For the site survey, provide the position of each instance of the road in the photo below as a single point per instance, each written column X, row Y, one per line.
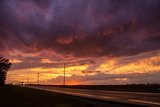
column 138, row 98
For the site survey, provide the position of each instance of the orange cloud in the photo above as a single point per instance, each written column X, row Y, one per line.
column 140, row 64
column 15, row 61
column 46, row 61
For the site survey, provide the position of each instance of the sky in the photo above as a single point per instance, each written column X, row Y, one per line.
column 99, row 41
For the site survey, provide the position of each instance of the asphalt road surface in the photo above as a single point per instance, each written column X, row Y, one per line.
column 136, row 98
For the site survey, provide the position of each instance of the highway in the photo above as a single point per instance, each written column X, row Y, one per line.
column 136, row 98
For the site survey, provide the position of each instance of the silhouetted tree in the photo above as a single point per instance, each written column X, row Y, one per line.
column 4, row 67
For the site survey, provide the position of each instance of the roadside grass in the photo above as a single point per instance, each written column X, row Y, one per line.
column 15, row 96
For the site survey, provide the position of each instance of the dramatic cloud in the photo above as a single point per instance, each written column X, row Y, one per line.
column 80, row 28
column 89, row 36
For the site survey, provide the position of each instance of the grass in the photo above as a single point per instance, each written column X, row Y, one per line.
column 16, row 96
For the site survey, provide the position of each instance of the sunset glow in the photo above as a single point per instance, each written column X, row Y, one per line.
column 98, row 41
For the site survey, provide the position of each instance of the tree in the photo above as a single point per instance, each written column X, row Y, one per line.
column 4, row 67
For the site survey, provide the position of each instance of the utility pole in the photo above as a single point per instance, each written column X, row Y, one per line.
column 38, row 78
column 22, row 81
column 64, row 79
column 28, row 80
column 19, row 81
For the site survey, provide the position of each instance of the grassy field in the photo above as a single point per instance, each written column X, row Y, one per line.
column 153, row 88
column 15, row 96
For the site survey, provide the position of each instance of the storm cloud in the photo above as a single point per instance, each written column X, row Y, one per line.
column 83, row 28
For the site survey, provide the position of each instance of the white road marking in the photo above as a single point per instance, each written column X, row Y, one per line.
column 143, row 101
